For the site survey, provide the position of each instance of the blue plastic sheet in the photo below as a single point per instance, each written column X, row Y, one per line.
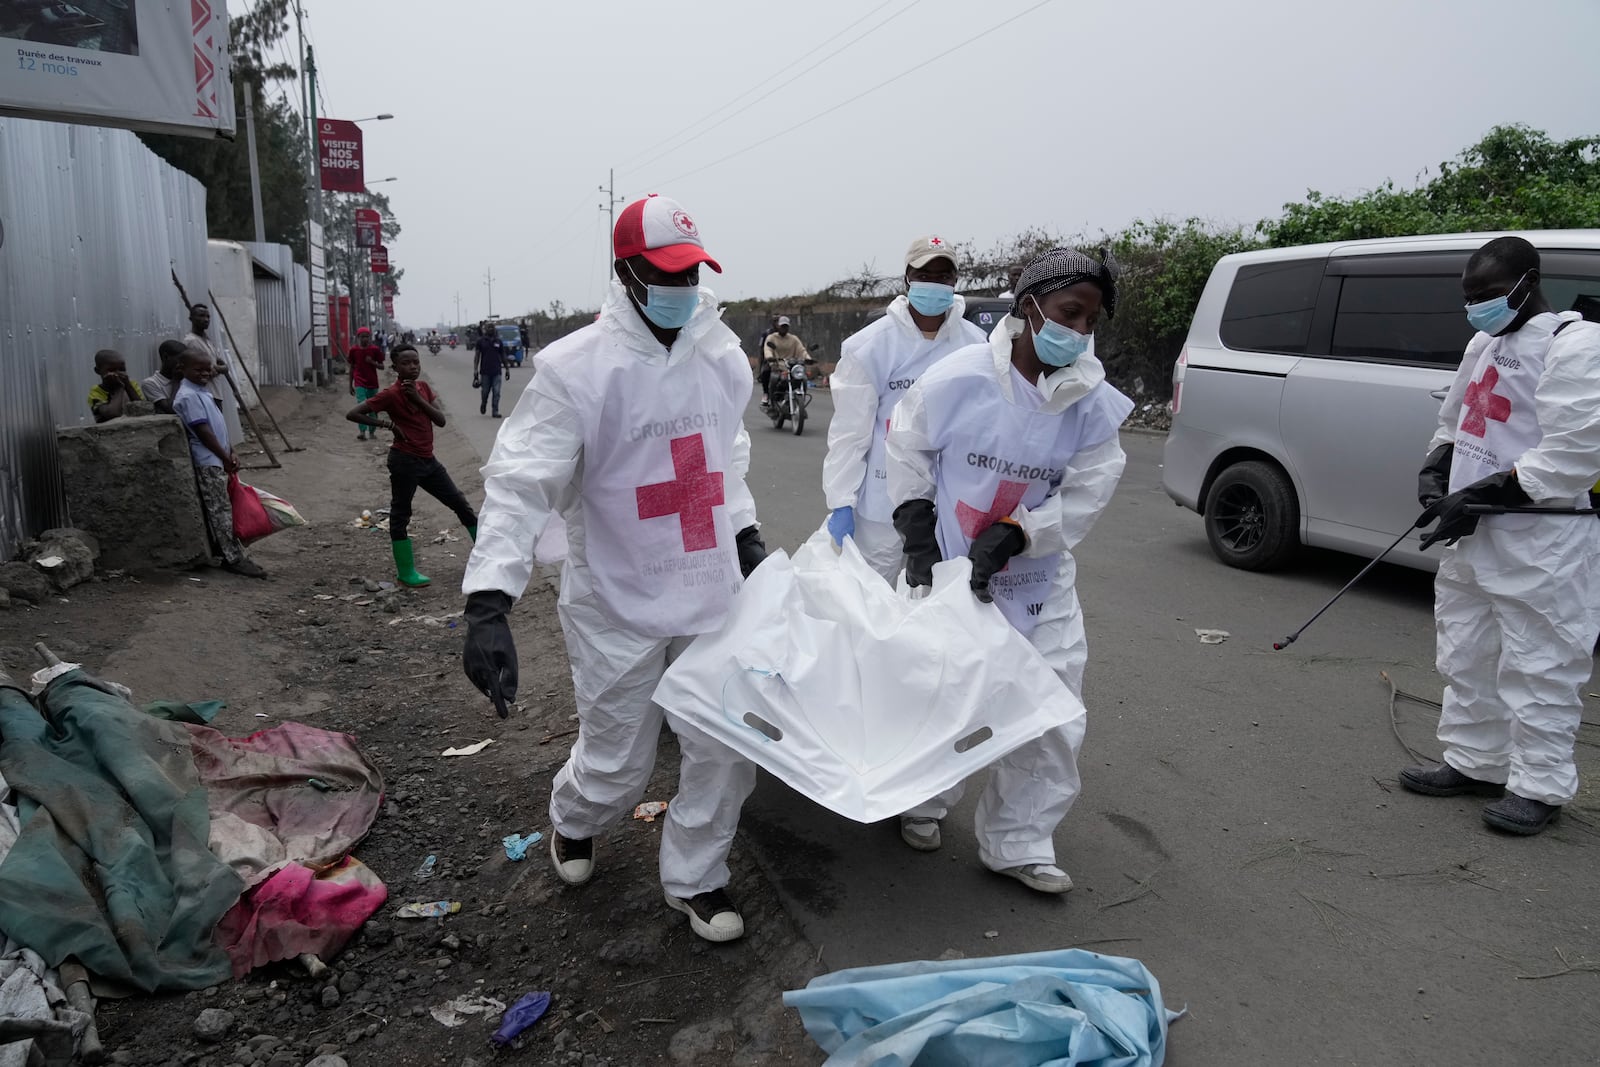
column 1066, row 1008
column 517, row 847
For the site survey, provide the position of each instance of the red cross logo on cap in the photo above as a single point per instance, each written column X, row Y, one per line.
column 691, row 496
column 1482, row 403
column 936, row 241
column 684, row 223
column 1006, row 498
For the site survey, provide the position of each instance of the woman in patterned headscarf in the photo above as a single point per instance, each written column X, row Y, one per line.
column 1006, row 453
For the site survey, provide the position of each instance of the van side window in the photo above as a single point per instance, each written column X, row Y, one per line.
column 1270, row 306
column 1403, row 318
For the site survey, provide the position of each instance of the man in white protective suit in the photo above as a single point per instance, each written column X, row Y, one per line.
column 877, row 364
column 1006, row 452
column 1517, row 597
column 632, row 432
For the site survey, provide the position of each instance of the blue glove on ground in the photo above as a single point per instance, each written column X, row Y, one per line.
column 842, row 524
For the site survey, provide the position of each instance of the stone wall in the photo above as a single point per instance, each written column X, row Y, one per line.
column 130, row 483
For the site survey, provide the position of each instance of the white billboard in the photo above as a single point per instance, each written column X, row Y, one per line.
column 157, row 65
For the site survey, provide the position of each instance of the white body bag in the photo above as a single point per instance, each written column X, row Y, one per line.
column 861, row 697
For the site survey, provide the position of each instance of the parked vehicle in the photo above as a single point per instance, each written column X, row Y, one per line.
column 511, row 338
column 985, row 312
column 1310, row 385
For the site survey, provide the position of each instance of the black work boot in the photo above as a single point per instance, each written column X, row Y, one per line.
column 1519, row 815
column 1445, row 781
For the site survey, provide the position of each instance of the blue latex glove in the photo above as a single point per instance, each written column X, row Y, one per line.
column 842, row 524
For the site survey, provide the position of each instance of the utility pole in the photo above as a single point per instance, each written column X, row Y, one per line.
column 488, row 279
column 458, row 307
column 612, row 200
column 255, row 166
column 305, row 108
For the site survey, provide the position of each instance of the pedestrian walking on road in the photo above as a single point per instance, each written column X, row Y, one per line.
column 489, row 355
column 632, row 431
column 1516, row 596
column 214, row 458
column 366, row 359
column 1006, row 452
column 413, row 410
column 877, row 365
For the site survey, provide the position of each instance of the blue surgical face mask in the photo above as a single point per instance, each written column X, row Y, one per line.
column 931, row 298
column 1492, row 316
column 668, row 306
column 1057, row 345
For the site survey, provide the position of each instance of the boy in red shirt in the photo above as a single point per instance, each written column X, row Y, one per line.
column 413, row 412
column 365, row 359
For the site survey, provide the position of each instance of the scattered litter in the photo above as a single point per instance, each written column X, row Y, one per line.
column 990, row 935
column 1212, row 637
column 368, row 522
column 444, row 536
column 462, row 1009
column 473, row 750
column 323, row 596
column 262, row 715
column 523, row 1014
column 49, row 562
column 517, row 847
column 429, row 620
column 425, row 869
column 649, row 810
column 319, row 785
column 431, row 909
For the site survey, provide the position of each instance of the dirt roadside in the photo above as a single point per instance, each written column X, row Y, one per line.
column 323, row 644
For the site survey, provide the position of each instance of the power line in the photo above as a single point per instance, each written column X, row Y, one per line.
column 792, row 78
column 922, row 64
column 734, row 100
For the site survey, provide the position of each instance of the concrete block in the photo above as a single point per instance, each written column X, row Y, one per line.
column 130, row 484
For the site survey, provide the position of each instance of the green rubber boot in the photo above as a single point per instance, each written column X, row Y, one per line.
column 472, row 532
column 405, row 566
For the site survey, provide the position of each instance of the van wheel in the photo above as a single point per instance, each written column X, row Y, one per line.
column 1252, row 517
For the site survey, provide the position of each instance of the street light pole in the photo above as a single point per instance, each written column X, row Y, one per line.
column 488, row 279
column 255, row 166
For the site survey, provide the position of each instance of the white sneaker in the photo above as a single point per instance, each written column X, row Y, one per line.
column 711, row 915
column 1040, row 876
column 574, row 860
column 920, row 833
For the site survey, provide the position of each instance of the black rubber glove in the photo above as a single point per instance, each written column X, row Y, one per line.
column 490, row 656
column 990, row 552
column 1451, row 511
column 1433, row 481
column 752, row 550
column 917, row 524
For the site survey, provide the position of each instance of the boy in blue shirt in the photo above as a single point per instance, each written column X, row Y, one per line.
column 213, row 457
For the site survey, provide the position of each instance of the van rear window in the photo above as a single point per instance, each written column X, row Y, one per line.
column 1411, row 318
column 1270, row 307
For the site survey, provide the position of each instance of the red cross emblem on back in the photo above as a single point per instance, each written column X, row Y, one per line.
column 1482, row 403
column 1006, row 498
column 691, row 495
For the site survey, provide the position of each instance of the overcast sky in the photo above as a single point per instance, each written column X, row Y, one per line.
column 1077, row 116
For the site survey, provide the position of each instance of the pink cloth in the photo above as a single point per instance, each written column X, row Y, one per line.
column 290, row 839
column 299, row 910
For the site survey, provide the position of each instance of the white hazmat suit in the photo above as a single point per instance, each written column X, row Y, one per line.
column 877, row 364
column 974, row 436
column 642, row 451
column 1516, row 602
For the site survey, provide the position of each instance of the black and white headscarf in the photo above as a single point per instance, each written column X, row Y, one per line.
column 1061, row 267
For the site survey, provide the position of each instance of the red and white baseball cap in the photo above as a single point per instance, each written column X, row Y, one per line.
column 663, row 233
column 925, row 250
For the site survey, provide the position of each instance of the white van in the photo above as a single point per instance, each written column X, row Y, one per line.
column 1310, row 384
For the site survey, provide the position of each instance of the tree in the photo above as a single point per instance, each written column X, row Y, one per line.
column 348, row 263
column 1515, row 178
column 223, row 166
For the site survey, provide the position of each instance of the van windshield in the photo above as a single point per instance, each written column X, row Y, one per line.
column 508, row 333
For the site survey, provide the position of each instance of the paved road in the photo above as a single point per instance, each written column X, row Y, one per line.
column 450, row 373
column 1239, row 831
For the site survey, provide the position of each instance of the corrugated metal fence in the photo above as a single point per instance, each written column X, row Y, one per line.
column 283, row 315
column 92, row 224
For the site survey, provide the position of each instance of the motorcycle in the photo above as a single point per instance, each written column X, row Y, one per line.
column 788, row 396
column 433, row 347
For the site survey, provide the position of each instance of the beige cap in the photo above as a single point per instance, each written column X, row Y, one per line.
column 925, row 250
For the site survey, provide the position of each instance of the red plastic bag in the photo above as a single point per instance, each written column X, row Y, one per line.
column 250, row 519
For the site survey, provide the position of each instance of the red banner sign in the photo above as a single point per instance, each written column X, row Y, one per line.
column 388, row 306
column 369, row 228
column 339, row 150
column 380, row 260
